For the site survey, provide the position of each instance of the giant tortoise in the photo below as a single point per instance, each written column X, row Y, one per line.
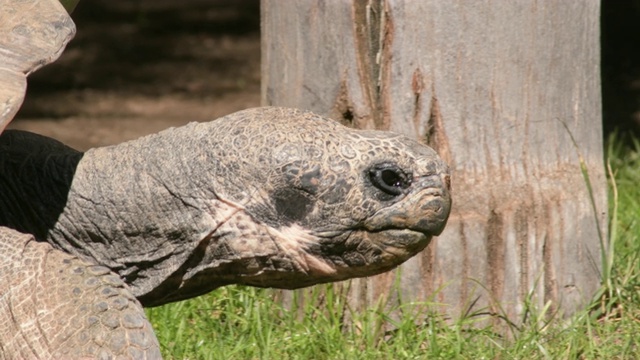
column 267, row 197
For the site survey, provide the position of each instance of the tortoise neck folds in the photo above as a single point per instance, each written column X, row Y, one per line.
column 140, row 208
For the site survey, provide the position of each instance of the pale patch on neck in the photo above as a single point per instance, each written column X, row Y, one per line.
column 294, row 240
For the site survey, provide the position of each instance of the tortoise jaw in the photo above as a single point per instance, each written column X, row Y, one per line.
column 400, row 243
column 371, row 253
column 425, row 211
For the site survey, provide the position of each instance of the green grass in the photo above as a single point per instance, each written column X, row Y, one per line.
column 248, row 323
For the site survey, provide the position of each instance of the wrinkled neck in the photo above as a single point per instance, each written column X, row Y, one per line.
column 131, row 208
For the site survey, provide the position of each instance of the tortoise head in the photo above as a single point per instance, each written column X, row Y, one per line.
column 334, row 202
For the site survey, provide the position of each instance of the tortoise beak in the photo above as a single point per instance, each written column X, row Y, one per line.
column 428, row 206
column 433, row 206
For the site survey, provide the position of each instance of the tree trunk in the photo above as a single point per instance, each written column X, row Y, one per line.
column 507, row 92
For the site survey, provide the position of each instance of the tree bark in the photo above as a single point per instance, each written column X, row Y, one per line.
column 508, row 93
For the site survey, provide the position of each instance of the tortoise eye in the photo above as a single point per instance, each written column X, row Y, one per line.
column 389, row 178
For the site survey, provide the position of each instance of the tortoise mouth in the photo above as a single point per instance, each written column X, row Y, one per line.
column 370, row 253
column 425, row 211
column 402, row 243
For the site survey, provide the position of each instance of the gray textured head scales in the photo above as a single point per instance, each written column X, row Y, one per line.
column 337, row 202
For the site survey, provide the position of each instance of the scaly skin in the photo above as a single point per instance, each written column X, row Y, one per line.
column 56, row 306
column 268, row 197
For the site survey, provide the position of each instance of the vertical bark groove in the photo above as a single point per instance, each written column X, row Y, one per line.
column 417, row 85
column 522, row 236
column 343, row 110
column 435, row 133
column 373, row 34
column 550, row 284
column 495, row 254
column 366, row 30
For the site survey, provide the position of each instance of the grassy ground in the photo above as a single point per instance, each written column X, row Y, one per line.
column 246, row 323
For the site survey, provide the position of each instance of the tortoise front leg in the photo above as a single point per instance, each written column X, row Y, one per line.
column 54, row 305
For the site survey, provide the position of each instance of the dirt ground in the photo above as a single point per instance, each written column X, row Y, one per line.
column 139, row 67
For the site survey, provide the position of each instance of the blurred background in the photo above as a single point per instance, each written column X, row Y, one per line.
column 137, row 67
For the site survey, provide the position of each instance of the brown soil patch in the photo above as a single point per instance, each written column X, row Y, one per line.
column 138, row 67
